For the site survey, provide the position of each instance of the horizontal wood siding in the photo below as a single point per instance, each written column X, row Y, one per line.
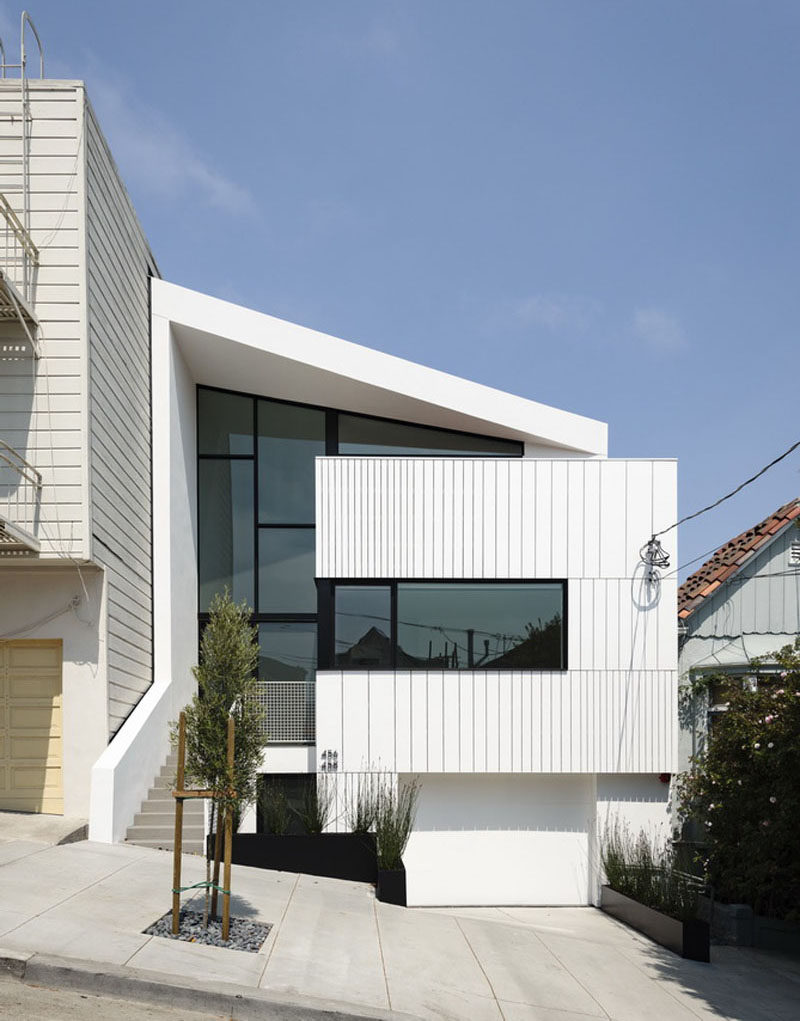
column 42, row 402
column 118, row 263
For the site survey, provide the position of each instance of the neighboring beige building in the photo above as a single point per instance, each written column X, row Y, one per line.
column 75, row 465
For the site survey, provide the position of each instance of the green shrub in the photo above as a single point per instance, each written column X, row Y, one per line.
column 362, row 810
column 744, row 791
column 275, row 810
column 394, row 820
column 646, row 871
column 316, row 807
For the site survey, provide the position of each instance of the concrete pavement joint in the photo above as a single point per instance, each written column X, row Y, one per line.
column 574, row 977
column 278, row 930
column 380, row 951
column 77, row 893
column 480, row 965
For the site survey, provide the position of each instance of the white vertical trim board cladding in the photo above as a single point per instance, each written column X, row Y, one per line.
column 612, row 711
column 489, row 518
column 578, row 721
column 118, row 264
column 42, row 402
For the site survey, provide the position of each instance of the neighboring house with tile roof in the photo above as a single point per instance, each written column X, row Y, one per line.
column 742, row 604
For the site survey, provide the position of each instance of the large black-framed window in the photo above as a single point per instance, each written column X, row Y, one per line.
column 256, row 524
column 256, row 489
column 424, row 624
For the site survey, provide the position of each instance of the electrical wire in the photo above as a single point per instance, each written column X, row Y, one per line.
column 733, row 492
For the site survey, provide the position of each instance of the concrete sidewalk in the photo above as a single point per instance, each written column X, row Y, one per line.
column 334, row 947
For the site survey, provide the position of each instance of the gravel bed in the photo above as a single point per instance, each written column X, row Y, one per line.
column 244, row 935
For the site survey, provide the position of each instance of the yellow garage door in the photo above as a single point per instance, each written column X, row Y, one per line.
column 30, row 727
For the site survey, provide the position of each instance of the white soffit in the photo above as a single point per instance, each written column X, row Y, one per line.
column 235, row 348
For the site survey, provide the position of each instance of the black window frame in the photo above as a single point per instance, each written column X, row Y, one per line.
column 331, row 450
column 326, row 620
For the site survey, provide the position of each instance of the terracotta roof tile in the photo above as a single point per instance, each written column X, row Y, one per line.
column 730, row 557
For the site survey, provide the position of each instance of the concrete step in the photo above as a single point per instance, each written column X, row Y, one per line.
column 166, row 820
column 156, row 832
column 166, row 806
column 154, row 823
column 159, row 794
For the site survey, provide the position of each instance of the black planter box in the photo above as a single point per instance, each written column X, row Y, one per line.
column 391, row 888
column 690, row 939
column 334, row 855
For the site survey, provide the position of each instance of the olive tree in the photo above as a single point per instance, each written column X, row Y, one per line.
column 226, row 681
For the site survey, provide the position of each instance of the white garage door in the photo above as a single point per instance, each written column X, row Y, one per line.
column 500, row 840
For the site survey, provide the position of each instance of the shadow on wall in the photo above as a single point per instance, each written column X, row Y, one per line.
column 18, row 497
column 504, row 802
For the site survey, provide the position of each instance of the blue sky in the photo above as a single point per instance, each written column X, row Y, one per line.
column 591, row 203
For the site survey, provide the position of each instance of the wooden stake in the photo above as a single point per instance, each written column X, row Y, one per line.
column 178, row 845
column 217, row 858
column 226, row 897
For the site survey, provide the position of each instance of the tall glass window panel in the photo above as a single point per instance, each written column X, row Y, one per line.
column 289, row 438
column 224, row 423
column 499, row 626
column 225, row 537
column 287, row 651
column 363, row 627
column 286, row 567
column 368, row 436
column 287, row 665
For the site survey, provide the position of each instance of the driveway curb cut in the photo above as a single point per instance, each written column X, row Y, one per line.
column 235, row 1001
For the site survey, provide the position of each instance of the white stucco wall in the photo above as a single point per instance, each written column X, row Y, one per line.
column 505, row 839
column 124, row 772
column 28, row 595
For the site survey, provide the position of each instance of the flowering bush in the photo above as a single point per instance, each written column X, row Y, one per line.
column 744, row 791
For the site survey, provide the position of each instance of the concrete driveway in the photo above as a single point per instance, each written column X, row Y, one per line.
column 333, row 942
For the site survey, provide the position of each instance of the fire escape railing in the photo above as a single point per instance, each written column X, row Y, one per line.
column 20, row 495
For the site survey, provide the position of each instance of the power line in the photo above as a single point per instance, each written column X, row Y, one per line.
column 733, row 492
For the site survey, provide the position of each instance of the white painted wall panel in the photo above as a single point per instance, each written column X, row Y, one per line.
column 489, row 518
column 573, row 722
column 500, row 839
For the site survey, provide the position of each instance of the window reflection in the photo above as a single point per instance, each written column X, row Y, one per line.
column 480, row 627
column 362, row 435
column 224, row 423
column 363, row 629
column 289, row 438
column 286, row 568
column 288, row 651
column 225, row 530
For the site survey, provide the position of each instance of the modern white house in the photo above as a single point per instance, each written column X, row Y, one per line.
column 446, row 579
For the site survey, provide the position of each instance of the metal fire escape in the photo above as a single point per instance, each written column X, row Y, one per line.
column 20, row 482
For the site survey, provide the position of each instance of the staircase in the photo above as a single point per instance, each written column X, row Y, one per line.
column 154, row 824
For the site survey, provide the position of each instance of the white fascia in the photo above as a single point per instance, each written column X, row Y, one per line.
column 235, row 348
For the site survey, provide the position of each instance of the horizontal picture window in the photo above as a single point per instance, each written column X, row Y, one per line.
column 514, row 625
